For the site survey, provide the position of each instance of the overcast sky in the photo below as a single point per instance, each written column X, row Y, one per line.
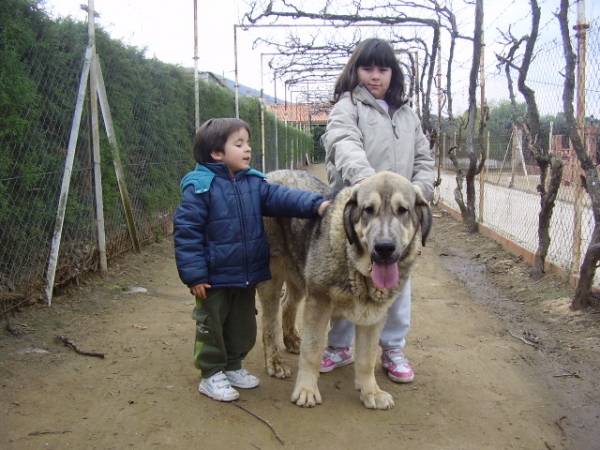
column 166, row 30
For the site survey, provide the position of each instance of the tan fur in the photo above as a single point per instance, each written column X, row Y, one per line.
column 329, row 262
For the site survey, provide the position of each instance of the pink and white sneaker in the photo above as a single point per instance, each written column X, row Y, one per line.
column 397, row 366
column 334, row 358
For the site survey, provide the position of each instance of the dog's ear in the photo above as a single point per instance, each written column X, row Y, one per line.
column 351, row 216
column 423, row 211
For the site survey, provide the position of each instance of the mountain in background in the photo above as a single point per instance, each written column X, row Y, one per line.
column 244, row 91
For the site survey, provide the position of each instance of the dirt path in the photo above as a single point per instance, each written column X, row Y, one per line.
column 477, row 385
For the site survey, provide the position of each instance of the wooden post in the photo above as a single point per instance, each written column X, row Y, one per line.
column 581, row 28
column 66, row 181
column 236, row 82
column 110, row 132
column 196, row 81
column 482, row 179
column 262, row 116
column 513, row 164
column 482, row 118
column 96, row 145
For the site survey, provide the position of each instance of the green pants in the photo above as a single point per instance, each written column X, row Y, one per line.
column 225, row 329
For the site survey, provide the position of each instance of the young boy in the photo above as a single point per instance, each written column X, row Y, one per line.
column 222, row 252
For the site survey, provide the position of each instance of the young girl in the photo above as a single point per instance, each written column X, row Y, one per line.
column 371, row 129
column 222, row 252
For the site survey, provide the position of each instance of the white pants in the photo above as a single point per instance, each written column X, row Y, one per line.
column 394, row 331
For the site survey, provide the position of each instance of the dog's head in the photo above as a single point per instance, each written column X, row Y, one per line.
column 382, row 218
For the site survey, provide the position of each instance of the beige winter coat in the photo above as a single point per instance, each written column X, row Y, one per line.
column 362, row 139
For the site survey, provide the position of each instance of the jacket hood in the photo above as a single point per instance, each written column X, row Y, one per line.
column 362, row 94
column 203, row 175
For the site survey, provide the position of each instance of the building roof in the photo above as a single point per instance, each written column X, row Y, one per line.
column 313, row 114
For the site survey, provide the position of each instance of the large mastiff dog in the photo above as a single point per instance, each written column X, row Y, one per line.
column 351, row 263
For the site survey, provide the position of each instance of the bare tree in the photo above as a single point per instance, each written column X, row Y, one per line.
column 475, row 150
column 447, row 20
column 390, row 15
column 590, row 180
column 548, row 162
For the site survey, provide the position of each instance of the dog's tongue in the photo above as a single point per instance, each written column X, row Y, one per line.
column 385, row 276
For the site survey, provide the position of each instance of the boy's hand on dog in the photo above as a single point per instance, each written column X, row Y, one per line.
column 322, row 207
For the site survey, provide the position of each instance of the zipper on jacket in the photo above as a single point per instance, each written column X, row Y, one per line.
column 374, row 104
column 243, row 222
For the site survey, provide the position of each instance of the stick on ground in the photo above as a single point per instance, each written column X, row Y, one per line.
column 71, row 344
column 261, row 419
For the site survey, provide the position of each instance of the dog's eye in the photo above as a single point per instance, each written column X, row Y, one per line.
column 402, row 210
column 369, row 210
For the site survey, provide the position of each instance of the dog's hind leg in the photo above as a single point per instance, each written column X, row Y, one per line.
column 269, row 294
column 290, row 304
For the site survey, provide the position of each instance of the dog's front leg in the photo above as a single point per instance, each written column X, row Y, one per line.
column 316, row 318
column 367, row 337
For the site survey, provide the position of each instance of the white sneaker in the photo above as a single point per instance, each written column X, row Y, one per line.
column 242, row 379
column 218, row 388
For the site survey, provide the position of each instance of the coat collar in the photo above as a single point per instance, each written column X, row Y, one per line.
column 204, row 174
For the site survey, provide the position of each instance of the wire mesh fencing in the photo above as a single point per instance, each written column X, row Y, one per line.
column 508, row 199
column 152, row 108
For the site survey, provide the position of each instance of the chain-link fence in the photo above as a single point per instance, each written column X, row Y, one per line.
column 152, row 106
column 508, row 201
column 153, row 112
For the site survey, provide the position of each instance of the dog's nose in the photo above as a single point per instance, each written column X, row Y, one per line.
column 385, row 249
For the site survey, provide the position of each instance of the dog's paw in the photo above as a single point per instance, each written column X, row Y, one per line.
column 292, row 342
column 377, row 400
column 307, row 398
column 277, row 368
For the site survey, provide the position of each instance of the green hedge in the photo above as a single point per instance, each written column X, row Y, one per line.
column 152, row 106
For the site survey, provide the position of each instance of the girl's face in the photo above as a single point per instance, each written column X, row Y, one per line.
column 237, row 152
column 377, row 79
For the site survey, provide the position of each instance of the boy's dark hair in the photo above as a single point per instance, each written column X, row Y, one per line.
column 372, row 51
column 212, row 136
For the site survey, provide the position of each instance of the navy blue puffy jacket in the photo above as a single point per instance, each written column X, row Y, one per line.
column 219, row 233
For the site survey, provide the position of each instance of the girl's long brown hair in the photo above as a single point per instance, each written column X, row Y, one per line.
column 372, row 52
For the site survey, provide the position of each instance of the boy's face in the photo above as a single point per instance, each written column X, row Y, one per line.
column 237, row 151
column 376, row 79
